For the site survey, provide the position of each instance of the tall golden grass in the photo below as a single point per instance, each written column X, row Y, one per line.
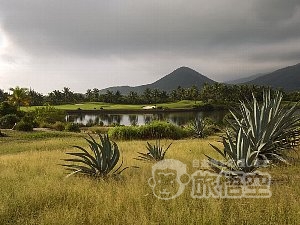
column 34, row 189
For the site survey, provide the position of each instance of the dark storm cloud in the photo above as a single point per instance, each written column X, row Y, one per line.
column 125, row 40
column 121, row 27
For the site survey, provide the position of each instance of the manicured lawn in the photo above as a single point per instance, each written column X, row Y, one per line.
column 35, row 190
column 184, row 104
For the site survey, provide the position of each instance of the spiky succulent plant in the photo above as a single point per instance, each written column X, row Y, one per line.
column 198, row 126
column 260, row 133
column 237, row 154
column 155, row 152
column 270, row 128
column 100, row 162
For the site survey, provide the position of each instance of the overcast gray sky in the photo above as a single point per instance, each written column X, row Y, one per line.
column 84, row 44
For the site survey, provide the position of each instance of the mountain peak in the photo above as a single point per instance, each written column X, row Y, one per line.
column 184, row 69
column 183, row 76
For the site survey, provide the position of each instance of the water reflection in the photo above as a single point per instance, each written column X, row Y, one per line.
column 133, row 119
column 179, row 118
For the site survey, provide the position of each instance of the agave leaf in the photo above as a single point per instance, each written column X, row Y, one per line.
column 218, row 150
column 88, row 158
column 217, row 162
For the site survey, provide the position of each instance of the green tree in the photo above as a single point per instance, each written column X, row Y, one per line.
column 19, row 96
column 147, row 95
column 35, row 97
column 3, row 95
column 133, row 97
column 194, row 93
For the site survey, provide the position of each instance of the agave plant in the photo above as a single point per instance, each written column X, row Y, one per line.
column 100, row 162
column 269, row 128
column 198, row 126
column 238, row 155
column 155, row 152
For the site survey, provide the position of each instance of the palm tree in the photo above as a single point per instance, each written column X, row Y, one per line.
column 133, row 97
column 19, row 96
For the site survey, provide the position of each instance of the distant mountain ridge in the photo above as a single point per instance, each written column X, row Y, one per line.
column 287, row 78
column 184, row 77
column 244, row 79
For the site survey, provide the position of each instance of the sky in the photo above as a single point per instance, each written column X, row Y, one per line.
column 82, row 44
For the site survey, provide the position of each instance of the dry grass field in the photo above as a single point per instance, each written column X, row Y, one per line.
column 34, row 188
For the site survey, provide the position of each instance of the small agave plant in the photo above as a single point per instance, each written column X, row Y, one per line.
column 198, row 126
column 100, row 162
column 155, row 152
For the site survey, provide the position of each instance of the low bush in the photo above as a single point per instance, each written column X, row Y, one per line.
column 204, row 107
column 49, row 114
column 98, row 130
column 59, row 126
column 27, row 123
column 29, row 118
column 45, row 125
column 8, row 121
column 211, row 129
column 154, row 130
column 6, row 108
column 24, row 126
column 72, row 127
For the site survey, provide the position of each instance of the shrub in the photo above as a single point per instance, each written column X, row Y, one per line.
column 97, row 129
column 101, row 163
column 45, row 125
column 211, row 129
column 157, row 129
column 27, row 123
column 49, row 114
column 153, row 130
column 24, row 126
column 59, row 126
column 204, row 107
column 30, row 119
column 124, row 132
column 8, row 121
column 6, row 108
column 72, row 127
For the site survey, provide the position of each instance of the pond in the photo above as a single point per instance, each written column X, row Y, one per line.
column 178, row 118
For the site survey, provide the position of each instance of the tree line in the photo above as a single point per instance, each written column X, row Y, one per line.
column 210, row 93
